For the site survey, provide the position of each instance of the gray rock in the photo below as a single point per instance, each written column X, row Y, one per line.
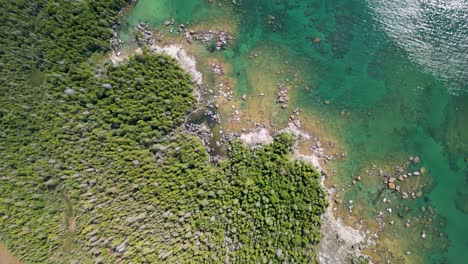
column 132, row 219
column 165, row 255
column 93, row 239
column 52, row 183
column 113, row 190
column 92, row 233
column 69, row 91
column 121, row 248
column 107, row 86
column 279, row 252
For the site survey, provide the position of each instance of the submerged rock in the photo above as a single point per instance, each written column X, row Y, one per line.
column 422, row 170
column 404, row 195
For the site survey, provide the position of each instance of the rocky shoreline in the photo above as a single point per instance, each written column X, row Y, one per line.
column 397, row 184
column 337, row 236
column 340, row 243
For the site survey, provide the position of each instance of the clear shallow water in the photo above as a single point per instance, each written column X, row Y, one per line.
column 394, row 66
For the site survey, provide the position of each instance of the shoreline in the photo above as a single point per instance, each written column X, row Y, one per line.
column 337, row 236
column 340, row 242
column 395, row 211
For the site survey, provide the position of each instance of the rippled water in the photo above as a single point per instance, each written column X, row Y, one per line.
column 433, row 32
column 397, row 68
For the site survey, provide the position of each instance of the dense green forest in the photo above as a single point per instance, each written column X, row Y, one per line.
column 96, row 167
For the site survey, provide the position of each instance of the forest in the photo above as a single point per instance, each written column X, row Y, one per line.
column 96, row 166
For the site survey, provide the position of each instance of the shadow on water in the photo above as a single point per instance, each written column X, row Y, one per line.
column 201, row 118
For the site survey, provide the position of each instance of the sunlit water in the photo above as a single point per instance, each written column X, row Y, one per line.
column 433, row 32
column 397, row 68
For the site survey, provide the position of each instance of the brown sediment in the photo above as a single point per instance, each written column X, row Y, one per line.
column 386, row 237
column 398, row 233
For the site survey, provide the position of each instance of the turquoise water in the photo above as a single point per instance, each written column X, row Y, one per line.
column 398, row 68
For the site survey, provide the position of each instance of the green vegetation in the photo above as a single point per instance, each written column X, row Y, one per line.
column 271, row 205
column 96, row 168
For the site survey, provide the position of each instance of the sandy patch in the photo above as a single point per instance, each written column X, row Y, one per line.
column 259, row 137
column 6, row 257
column 187, row 62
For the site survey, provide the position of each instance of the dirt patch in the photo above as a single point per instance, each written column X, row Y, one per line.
column 6, row 257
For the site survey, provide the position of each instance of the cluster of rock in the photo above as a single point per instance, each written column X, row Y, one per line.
column 234, row 2
column 143, row 34
column 320, row 153
column 393, row 181
column 217, row 69
column 211, row 113
column 115, row 42
column 170, row 22
column 228, row 94
column 206, row 136
column 221, row 37
column 270, row 19
column 282, row 96
column 201, row 131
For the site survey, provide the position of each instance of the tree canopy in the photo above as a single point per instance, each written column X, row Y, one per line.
column 97, row 168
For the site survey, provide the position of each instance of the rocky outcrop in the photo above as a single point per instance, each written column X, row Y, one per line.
column 282, row 96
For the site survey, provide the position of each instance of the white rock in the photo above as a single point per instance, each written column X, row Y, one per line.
column 69, row 91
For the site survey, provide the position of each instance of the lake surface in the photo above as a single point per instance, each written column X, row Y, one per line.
column 395, row 76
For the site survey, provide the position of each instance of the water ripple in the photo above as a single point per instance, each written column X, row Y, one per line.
column 434, row 33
